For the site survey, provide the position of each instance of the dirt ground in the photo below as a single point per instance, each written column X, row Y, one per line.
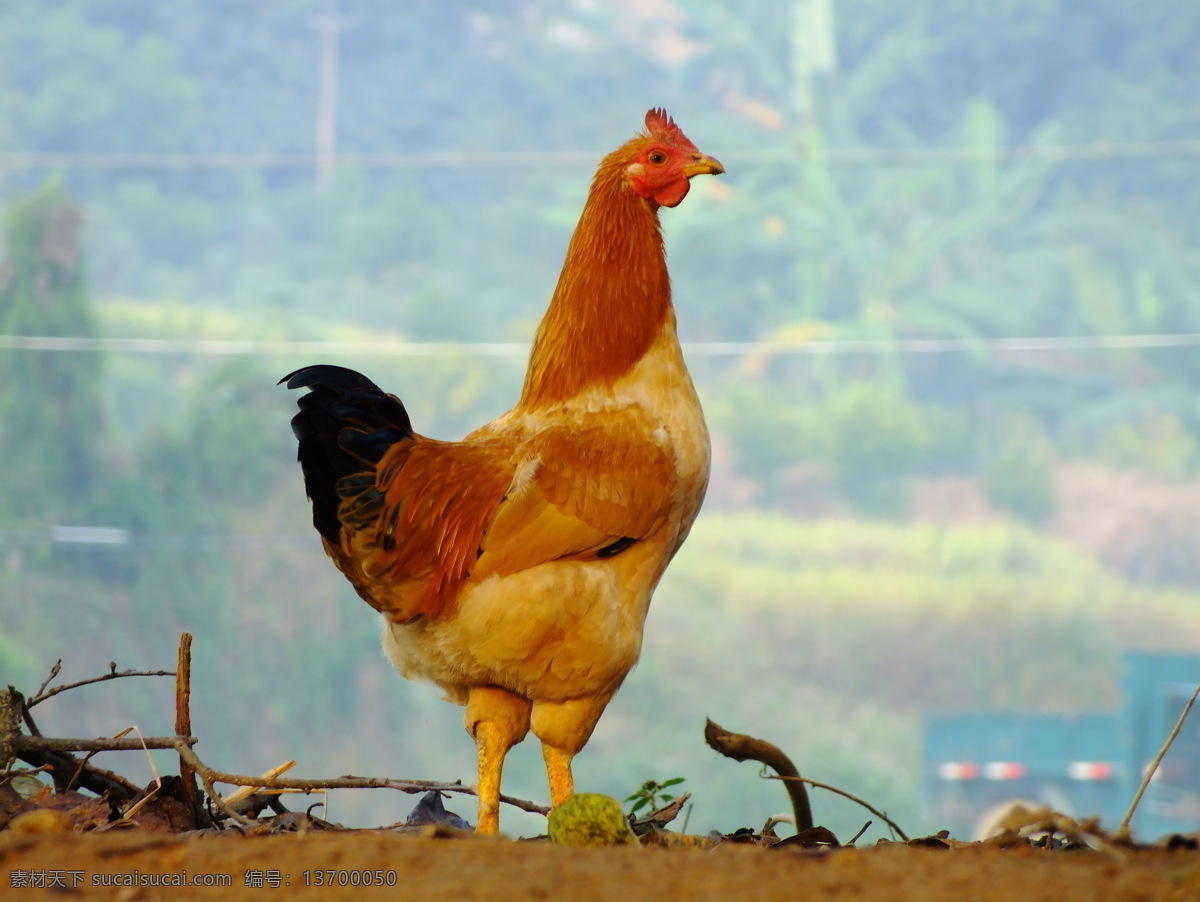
column 86, row 866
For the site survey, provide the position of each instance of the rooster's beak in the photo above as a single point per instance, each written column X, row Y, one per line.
column 702, row 164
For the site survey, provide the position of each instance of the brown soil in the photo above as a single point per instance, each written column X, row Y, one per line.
column 473, row 868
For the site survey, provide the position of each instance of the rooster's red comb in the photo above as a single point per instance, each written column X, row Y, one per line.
column 663, row 127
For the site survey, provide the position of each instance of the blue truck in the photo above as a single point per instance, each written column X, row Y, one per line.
column 1082, row 764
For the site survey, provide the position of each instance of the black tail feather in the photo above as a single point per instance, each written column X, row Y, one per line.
column 345, row 425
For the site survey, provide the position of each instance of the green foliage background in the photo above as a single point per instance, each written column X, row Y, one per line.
column 896, row 172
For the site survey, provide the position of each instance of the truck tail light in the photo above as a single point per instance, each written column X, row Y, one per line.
column 1003, row 770
column 958, row 770
column 1090, row 770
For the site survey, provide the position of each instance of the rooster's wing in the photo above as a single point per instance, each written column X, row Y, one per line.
column 502, row 501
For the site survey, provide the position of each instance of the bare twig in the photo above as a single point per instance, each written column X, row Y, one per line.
column 113, row 674
column 158, row 781
column 133, row 809
column 183, row 725
column 26, row 716
column 861, row 830
column 246, row 791
column 12, row 708
column 209, row 776
column 741, row 747
column 186, row 754
column 84, row 762
column 875, row 811
column 45, row 744
column 50, row 679
column 9, row 772
column 54, row 754
column 65, row 769
column 1123, row 830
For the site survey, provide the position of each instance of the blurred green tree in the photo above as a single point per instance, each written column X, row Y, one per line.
column 1016, row 456
column 51, row 421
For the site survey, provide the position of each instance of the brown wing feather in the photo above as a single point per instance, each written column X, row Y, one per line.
column 611, row 478
column 581, row 487
column 454, row 512
column 437, row 500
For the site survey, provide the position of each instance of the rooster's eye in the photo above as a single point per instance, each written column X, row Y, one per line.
column 657, row 157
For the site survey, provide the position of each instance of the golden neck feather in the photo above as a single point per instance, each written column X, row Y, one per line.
column 612, row 299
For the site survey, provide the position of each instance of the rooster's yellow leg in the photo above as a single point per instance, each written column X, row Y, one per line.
column 498, row 720
column 558, row 770
column 493, row 745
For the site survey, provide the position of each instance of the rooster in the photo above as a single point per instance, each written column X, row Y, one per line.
column 514, row 568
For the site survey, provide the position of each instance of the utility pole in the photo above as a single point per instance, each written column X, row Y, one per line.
column 814, row 53
column 328, row 25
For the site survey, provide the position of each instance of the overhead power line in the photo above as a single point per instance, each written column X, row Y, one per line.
column 234, row 347
column 118, row 539
column 1052, row 343
column 1097, row 151
column 188, row 162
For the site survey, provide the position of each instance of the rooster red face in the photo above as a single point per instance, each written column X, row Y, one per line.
column 664, row 160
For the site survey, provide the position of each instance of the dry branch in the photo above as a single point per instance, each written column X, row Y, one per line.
column 741, row 747
column 183, row 725
column 35, row 744
column 12, row 710
column 210, row 776
column 246, row 791
column 54, row 754
column 54, row 671
column 853, row 798
column 1123, row 830
column 112, row 674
